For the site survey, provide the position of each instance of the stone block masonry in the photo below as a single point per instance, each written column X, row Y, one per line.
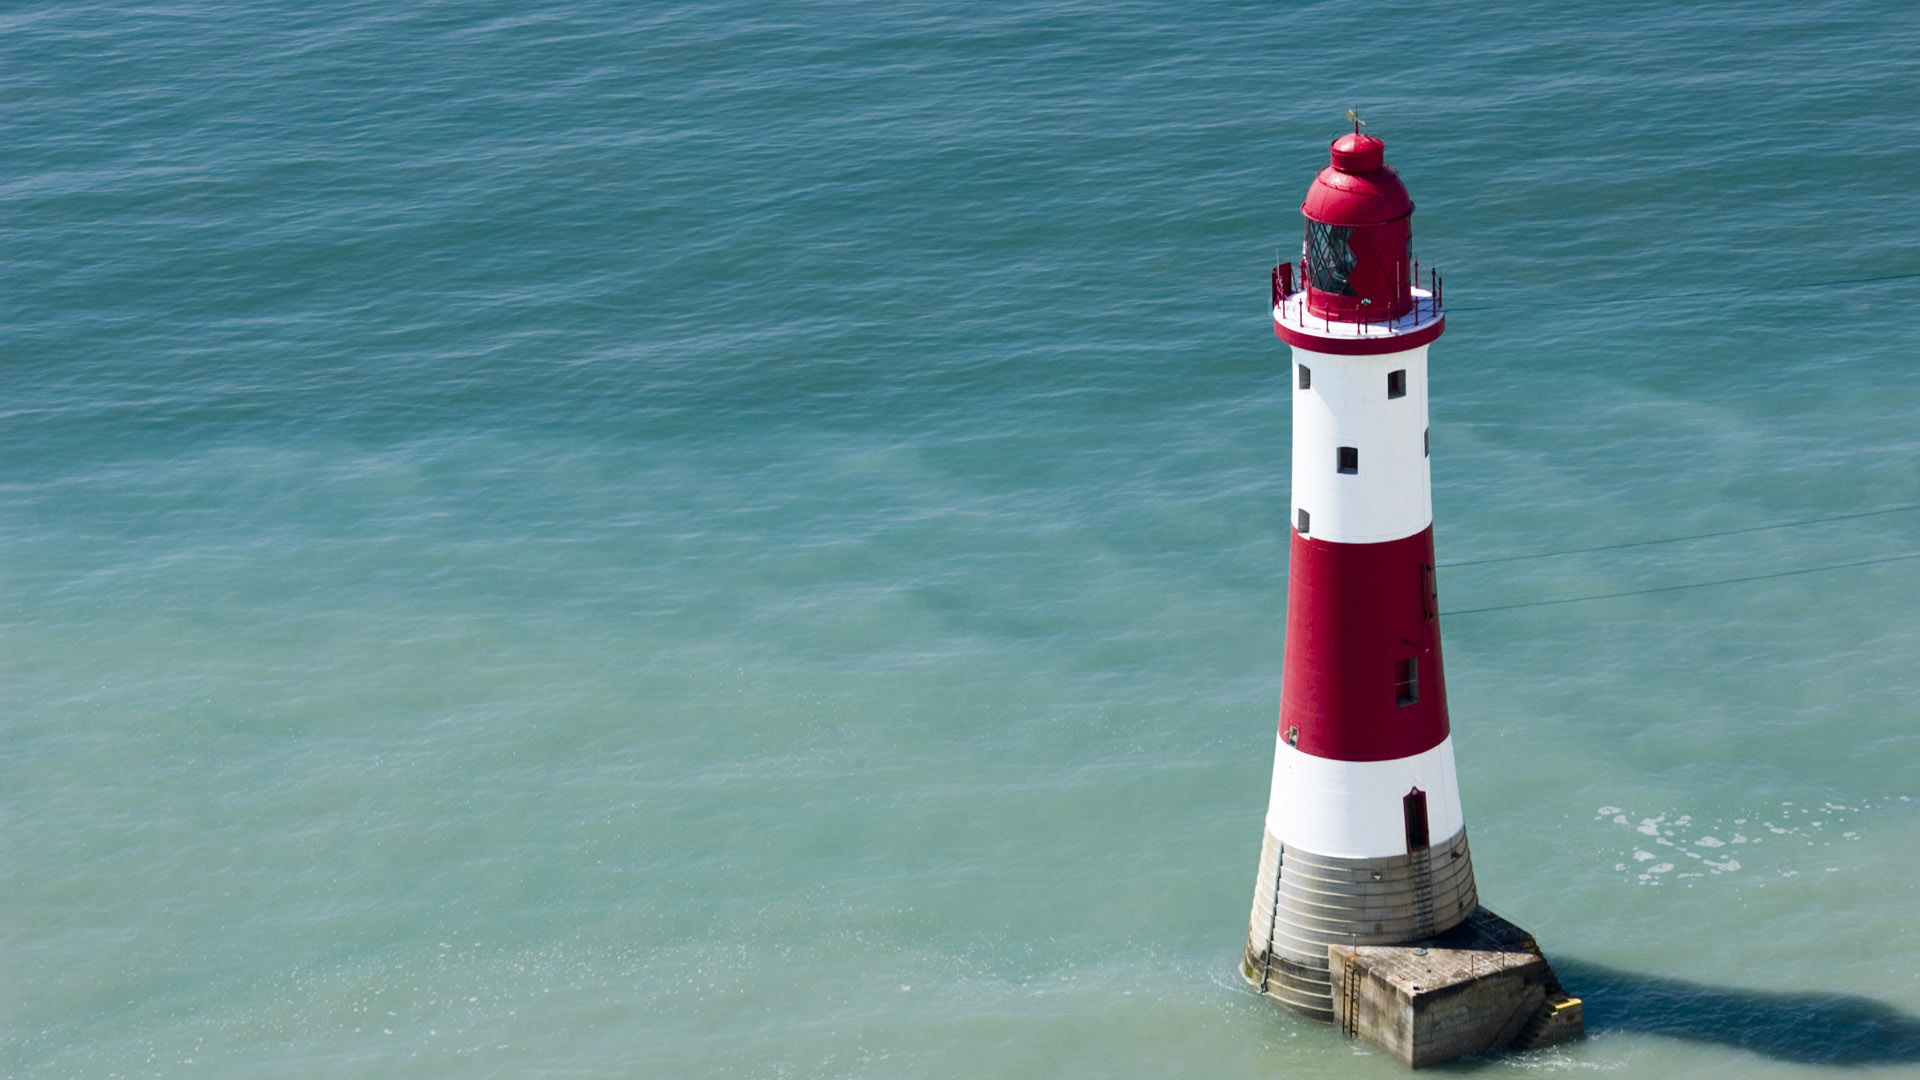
column 1305, row 902
column 1481, row 985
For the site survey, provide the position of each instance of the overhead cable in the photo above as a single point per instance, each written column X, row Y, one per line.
column 1691, row 585
column 1678, row 539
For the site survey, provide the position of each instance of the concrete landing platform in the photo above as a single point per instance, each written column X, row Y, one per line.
column 1480, row 985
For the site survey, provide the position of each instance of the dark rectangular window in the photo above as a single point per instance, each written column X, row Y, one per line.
column 1406, row 681
column 1426, row 438
column 1413, row 807
column 1306, row 377
column 1301, row 524
column 1349, row 459
column 1396, row 384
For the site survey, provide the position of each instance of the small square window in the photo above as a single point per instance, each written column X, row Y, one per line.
column 1300, row 522
column 1306, row 377
column 1349, row 459
column 1397, row 383
column 1406, row 681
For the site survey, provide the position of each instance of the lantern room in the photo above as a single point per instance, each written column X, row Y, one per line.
column 1357, row 263
column 1358, row 288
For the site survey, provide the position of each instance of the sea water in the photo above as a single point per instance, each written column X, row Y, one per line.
column 743, row 539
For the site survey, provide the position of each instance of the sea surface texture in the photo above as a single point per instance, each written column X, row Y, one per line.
column 736, row 539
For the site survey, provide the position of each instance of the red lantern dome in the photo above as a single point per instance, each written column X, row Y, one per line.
column 1359, row 188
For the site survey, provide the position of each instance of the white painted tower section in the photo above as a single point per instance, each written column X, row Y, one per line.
column 1368, row 822
column 1391, row 496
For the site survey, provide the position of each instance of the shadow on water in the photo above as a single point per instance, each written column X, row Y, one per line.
column 1814, row 1029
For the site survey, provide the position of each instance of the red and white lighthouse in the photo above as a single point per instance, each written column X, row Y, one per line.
column 1365, row 841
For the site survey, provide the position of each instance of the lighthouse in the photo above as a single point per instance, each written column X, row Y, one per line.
column 1365, row 840
column 1365, row 846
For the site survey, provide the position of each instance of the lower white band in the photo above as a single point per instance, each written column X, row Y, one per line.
column 1353, row 809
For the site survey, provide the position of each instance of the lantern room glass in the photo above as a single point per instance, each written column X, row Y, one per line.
column 1330, row 257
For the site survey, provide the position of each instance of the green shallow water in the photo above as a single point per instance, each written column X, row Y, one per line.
column 743, row 540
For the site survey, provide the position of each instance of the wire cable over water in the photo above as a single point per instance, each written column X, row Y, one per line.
column 1678, row 539
column 1599, row 301
column 1690, row 585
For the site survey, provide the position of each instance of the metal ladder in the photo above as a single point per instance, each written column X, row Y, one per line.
column 1273, row 919
column 1350, row 987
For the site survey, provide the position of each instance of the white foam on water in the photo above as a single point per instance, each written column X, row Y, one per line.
column 1660, row 827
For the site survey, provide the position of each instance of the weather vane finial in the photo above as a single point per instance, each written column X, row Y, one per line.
column 1354, row 119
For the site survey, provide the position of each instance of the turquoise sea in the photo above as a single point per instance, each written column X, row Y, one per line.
column 749, row 540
